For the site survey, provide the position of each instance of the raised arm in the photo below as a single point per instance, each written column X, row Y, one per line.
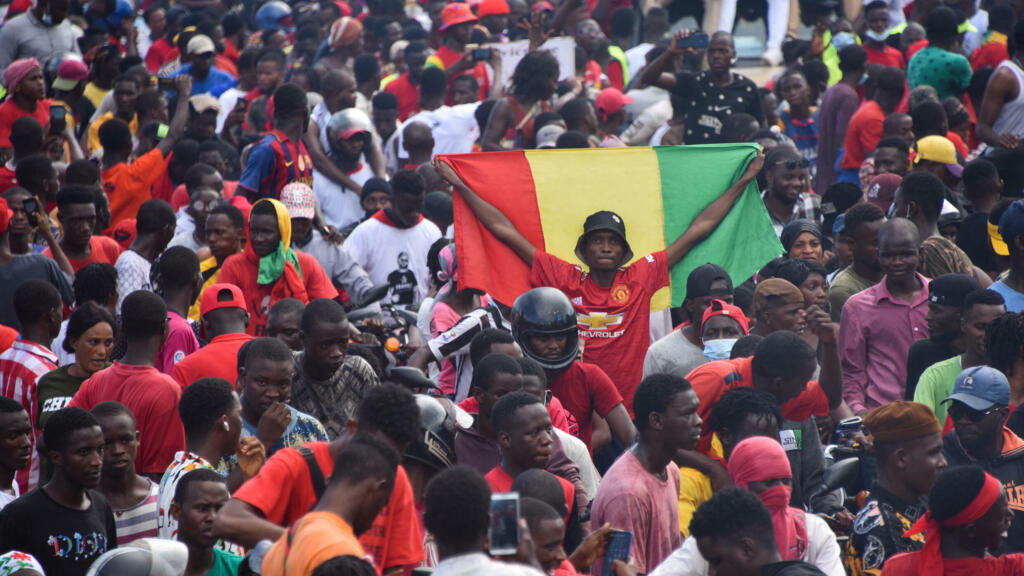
column 712, row 215
column 492, row 218
column 183, row 85
column 654, row 73
column 831, row 376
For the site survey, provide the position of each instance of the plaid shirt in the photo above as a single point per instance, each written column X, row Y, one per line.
column 806, row 206
column 334, row 401
column 21, row 366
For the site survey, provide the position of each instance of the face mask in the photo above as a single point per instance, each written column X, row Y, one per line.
column 719, row 349
column 777, row 497
column 863, row 80
column 877, row 36
column 47, row 20
column 843, row 39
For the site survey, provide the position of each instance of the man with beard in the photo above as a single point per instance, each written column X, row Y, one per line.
column 348, row 134
column 787, row 197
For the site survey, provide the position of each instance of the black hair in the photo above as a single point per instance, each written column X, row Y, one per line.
column 286, row 306
column 731, row 514
column 926, row 190
column 941, row 26
column 34, row 299
column 143, row 315
column 745, row 346
column 438, row 204
column 1004, row 341
column 480, row 345
column 815, row 72
column 82, row 171
column 782, row 354
column 408, row 182
column 533, row 368
column 392, row 410
column 483, row 114
column 232, row 212
column 414, row 48
column 859, row 214
column 891, row 79
column 365, row 457
column 74, row 194
column 474, row 85
column 312, row 77
column 273, row 55
column 779, row 155
column 115, row 135
column 321, row 310
column 621, row 21
column 153, row 216
column 433, row 258
column 654, row 394
column 194, row 176
column 385, row 101
column 490, row 366
column 737, row 128
column 979, row 174
column 368, row 354
column 175, row 268
column 270, row 349
column 929, row 118
column 32, row 171
column 572, row 139
column 192, row 476
column 347, row 565
column 795, row 270
column 983, row 297
column 574, row 112
column 433, row 82
column 10, row 406
column 26, row 136
column 893, row 142
column 63, row 423
column 505, row 408
column 542, row 119
column 365, row 67
column 147, row 102
column 110, row 409
column 732, row 409
column 126, row 77
column 535, row 511
column 542, row 485
column 289, row 99
column 202, row 403
column 85, row 316
column 852, row 57
column 186, row 153
column 954, row 490
column 457, row 507
column 95, row 282
column 531, row 79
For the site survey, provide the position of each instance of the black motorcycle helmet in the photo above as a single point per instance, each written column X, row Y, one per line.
column 436, row 446
column 542, row 312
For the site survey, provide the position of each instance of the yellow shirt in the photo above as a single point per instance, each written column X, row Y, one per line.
column 205, row 267
column 694, row 489
column 95, row 94
column 318, row 537
column 93, row 143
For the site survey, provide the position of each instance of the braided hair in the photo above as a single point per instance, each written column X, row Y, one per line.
column 1004, row 341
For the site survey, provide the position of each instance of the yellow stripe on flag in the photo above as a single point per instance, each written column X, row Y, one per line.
column 626, row 181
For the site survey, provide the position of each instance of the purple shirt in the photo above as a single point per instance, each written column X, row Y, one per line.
column 837, row 107
column 631, row 498
column 181, row 341
column 875, row 334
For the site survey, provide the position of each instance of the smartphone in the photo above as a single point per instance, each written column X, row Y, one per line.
column 242, row 103
column 481, row 54
column 165, row 84
column 697, row 41
column 58, row 119
column 504, row 534
column 620, row 544
column 32, row 211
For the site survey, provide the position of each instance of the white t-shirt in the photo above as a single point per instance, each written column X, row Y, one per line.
column 340, row 205
column 227, row 99
column 455, row 129
column 397, row 256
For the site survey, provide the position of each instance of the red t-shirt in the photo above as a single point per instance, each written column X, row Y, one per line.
column 104, row 250
column 7, row 179
column 7, row 337
column 283, row 493
column 584, row 389
column 915, row 47
column 614, row 321
column 128, row 185
column 559, row 416
column 153, row 399
column 862, row 135
column 1005, row 565
column 500, row 481
column 9, row 112
column 710, row 381
column 445, row 57
column 889, row 57
column 218, row 359
column 160, row 53
column 408, row 95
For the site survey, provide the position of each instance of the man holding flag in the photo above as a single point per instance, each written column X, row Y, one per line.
column 612, row 300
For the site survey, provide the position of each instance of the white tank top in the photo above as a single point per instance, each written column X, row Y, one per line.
column 1011, row 116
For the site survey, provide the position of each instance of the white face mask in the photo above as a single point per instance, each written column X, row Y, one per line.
column 877, row 36
column 843, row 39
column 719, row 349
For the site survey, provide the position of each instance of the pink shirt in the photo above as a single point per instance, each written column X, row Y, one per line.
column 443, row 317
column 181, row 341
column 631, row 498
column 875, row 334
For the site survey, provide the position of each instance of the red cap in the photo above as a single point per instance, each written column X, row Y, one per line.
column 720, row 308
column 611, row 100
column 543, row 6
column 219, row 296
column 456, row 13
column 17, row 7
column 490, row 7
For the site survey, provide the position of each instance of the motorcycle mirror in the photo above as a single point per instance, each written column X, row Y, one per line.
column 375, row 294
column 841, row 473
column 412, row 378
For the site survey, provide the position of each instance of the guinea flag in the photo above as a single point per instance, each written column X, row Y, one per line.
column 658, row 191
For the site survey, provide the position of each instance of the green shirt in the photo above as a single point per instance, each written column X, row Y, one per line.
column 947, row 72
column 224, row 563
column 935, row 384
column 846, row 284
column 55, row 390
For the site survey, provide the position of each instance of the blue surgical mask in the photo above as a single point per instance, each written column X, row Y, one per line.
column 843, row 39
column 46, row 19
column 877, row 36
column 719, row 349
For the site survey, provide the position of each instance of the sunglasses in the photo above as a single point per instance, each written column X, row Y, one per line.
column 960, row 410
column 792, row 164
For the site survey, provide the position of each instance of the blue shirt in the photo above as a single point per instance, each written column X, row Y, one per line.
column 302, row 429
column 216, row 82
column 1014, row 299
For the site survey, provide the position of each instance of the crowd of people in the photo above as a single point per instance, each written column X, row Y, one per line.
column 234, row 339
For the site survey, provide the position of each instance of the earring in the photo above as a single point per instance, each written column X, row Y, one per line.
column 227, row 427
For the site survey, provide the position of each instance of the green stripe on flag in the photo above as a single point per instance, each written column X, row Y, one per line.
column 691, row 178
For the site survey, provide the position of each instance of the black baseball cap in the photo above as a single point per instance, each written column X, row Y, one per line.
column 951, row 289
column 698, row 283
column 604, row 220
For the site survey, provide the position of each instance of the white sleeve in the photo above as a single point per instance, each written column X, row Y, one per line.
column 684, row 561
column 822, row 548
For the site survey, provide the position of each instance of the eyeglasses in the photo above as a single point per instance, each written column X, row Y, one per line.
column 960, row 410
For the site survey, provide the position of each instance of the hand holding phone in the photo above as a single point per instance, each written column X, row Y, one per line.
column 504, row 533
column 481, row 54
column 31, row 211
column 58, row 119
column 620, row 544
column 697, row 41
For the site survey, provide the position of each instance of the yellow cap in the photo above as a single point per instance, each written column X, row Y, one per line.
column 998, row 244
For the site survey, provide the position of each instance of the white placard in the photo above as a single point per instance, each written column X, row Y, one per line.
column 563, row 48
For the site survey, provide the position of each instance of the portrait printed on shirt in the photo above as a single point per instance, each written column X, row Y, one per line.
column 403, row 282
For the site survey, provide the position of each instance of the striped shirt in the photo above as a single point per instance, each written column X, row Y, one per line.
column 184, row 462
column 139, row 521
column 21, row 366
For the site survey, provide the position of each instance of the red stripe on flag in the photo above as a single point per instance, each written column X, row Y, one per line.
column 505, row 180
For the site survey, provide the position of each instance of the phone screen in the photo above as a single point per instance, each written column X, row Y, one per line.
column 504, row 523
column 620, row 545
column 31, row 210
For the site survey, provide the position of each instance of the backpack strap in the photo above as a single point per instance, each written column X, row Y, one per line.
column 316, row 475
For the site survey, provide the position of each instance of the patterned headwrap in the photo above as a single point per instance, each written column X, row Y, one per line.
column 449, row 272
column 15, row 561
column 16, row 72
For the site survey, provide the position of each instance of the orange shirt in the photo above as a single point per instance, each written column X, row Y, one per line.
column 104, row 250
column 128, row 185
column 315, row 538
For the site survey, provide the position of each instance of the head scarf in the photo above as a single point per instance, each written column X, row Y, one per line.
column 448, row 273
column 344, row 32
column 794, row 229
column 280, row 267
column 761, row 458
column 15, row 561
column 16, row 72
column 931, row 554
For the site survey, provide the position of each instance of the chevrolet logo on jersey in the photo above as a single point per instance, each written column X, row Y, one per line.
column 599, row 320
